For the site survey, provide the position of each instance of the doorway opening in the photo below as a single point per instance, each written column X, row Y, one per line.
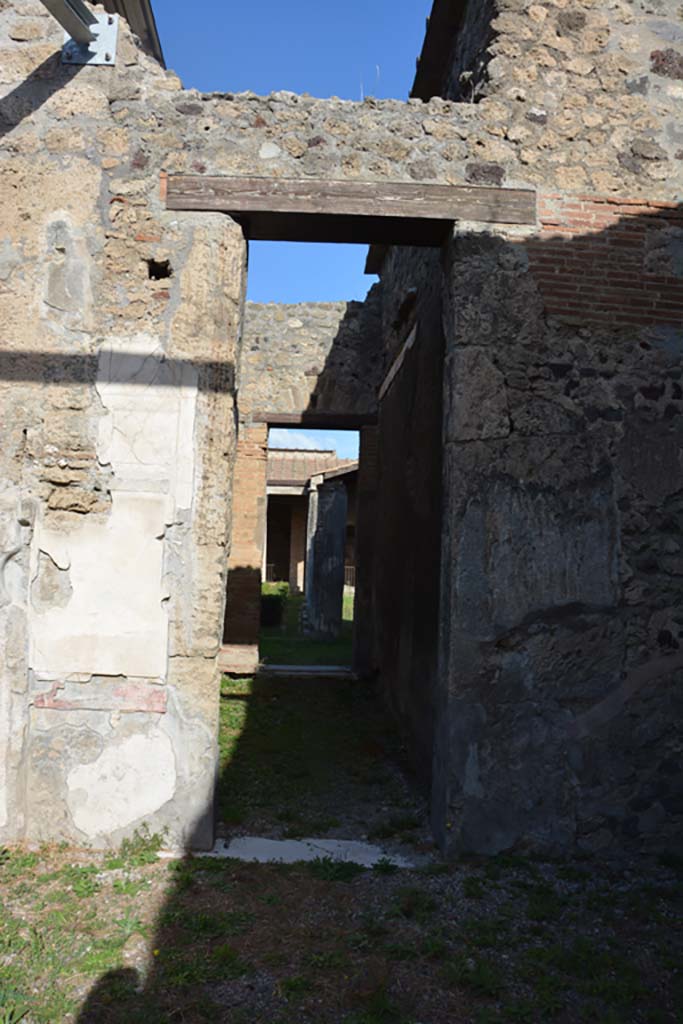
column 309, row 561
column 359, row 600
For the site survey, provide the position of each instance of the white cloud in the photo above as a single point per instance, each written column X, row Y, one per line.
column 280, row 437
column 344, row 442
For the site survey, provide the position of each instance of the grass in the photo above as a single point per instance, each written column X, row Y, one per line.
column 125, row 938
column 319, row 952
column 286, row 645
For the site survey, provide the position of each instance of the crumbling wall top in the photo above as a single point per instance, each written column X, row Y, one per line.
column 576, row 98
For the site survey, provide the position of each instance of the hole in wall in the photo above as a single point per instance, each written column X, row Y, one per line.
column 157, row 270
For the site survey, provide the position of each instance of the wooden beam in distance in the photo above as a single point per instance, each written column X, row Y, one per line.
column 313, row 419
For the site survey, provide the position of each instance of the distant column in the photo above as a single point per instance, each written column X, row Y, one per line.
column 366, row 513
column 297, row 549
column 325, row 543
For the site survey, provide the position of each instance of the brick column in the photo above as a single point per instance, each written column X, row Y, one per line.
column 243, row 605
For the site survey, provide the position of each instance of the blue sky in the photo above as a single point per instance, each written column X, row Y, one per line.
column 350, row 49
column 346, row 49
column 344, row 442
column 325, row 49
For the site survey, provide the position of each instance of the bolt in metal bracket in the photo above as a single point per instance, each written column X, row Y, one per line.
column 90, row 38
column 102, row 48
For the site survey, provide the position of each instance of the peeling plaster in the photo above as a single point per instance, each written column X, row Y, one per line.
column 68, row 294
column 51, row 587
column 118, row 788
column 114, row 623
column 147, row 432
column 5, row 558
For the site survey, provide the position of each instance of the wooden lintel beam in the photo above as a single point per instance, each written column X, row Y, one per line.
column 313, row 419
column 398, row 213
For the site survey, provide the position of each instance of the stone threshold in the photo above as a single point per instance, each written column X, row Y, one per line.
column 293, row 851
column 311, row 671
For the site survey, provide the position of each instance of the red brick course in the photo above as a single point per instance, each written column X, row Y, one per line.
column 590, row 260
column 243, row 606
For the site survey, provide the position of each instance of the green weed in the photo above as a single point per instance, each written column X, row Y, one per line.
column 12, row 1006
column 227, row 963
column 397, row 824
column 296, row 987
column 544, row 904
column 522, row 1011
column 400, row 950
column 434, row 947
column 384, row 867
column 326, row 961
column 129, row 886
column 81, row 880
column 142, row 848
column 329, row 870
column 14, row 863
column 434, row 870
column 102, row 955
column 673, row 860
column 572, row 873
column 129, row 924
column 12, row 1014
column 183, row 874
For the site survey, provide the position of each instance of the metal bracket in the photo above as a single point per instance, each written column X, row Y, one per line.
column 89, row 38
column 101, row 49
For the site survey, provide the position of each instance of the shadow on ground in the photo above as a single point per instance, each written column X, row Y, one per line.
column 244, row 942
column 513, row 938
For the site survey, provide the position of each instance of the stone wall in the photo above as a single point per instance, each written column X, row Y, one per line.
column 556, row 693
column 561, row 669
column 317, row 357
column 573, row 95
column 114, row 566
column 576, row 98
column 466, row 72
column 118, row 344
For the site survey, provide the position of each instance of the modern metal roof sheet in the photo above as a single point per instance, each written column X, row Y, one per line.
column 140, row 17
